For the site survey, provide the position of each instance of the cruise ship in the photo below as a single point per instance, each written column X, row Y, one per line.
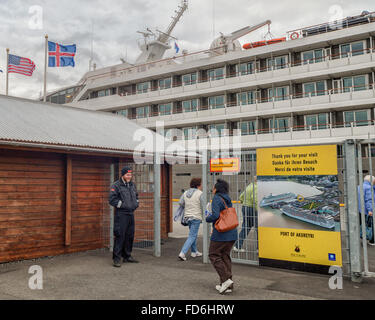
column 320, row 219
column 272, row 200
column 314, row 85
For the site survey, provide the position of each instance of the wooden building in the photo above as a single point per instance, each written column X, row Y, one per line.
column 56, row 166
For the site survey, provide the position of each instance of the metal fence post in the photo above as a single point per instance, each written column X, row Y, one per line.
column 157, row 219
column 112, row 211
column 206, row 230
column 352, row 211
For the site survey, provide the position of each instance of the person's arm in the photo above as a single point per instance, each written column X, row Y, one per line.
column 242, row 196
column 114, row 197
column 368, row 201
column 216, row 208
column 181, row 202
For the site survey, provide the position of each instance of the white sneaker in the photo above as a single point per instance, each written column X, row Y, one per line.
column 370, row 244
column 196, row 254
column 182, row 256
column 235, row 249
column 225, row 285
column 218, row 287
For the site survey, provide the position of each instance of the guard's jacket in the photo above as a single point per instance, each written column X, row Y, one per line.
column 124, row 196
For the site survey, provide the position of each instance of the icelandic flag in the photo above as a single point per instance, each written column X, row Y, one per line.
column 176, row 47
column 61, row 56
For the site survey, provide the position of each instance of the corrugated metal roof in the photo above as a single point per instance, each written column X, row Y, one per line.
column 36, row 122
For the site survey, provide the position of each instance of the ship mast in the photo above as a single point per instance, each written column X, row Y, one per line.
column 155, row 49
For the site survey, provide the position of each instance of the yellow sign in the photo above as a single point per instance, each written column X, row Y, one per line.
column 225, row 165
column 305, row 246
column 294, row 161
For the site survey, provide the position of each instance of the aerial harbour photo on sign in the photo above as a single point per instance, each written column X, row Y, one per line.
column 312, row 202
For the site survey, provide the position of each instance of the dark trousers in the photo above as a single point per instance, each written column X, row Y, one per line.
column 219, row 255
column 123, row 230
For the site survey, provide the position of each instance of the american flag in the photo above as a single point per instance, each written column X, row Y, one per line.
column 20, row 65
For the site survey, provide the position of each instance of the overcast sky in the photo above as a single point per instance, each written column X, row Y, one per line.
column 24, row 23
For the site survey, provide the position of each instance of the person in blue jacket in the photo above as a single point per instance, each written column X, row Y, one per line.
column 368, row 187
column 221, row 242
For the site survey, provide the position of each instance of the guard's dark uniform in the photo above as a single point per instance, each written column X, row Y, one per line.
column 124, row 197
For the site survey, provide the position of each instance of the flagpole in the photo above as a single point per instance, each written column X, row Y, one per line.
column 45, row 69
column 7, row 78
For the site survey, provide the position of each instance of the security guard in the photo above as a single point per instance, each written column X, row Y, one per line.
column 124, row 197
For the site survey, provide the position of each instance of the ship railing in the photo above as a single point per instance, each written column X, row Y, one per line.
column 204, row 79
column 334, row 25
column 195, row 134
column 278, row 98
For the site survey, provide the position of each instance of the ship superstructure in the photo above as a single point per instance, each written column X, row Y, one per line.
column 272, row 200
column 314, row 85
column 320, row 219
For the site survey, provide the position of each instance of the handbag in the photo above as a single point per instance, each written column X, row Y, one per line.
column 227, row 220
column 369, row 228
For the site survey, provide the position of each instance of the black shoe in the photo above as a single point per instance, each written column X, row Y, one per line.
column 117, row 264
column 131, row 259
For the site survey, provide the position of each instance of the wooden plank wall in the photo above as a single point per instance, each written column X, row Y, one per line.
column 33, row 204
column 90, row 208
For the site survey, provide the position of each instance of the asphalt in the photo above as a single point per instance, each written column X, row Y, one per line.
column 90, row 275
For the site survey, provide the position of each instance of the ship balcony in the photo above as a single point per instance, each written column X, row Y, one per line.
column 298, row 134
column 320, row 100
column 287, row 72
column 297, row 71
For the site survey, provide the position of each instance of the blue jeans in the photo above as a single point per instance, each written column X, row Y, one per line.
column 249, row 220
column 191, row 241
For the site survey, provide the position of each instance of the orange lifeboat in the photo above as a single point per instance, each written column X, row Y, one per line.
column 263, row 43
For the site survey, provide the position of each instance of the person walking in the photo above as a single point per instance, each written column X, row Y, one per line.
column 249, row 201
column 368, row 194
column 221, row 242
column 123, row 197
column 192, row 201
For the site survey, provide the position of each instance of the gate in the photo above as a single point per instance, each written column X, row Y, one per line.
column 246, row 249
column 359, row 167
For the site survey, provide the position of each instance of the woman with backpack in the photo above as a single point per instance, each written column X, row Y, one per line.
column 221, row 242
column 192, row 201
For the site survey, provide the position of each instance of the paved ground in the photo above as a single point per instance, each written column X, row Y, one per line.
column 90, row 275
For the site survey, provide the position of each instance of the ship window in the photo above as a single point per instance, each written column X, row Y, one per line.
column 312, row 56
column 190, row 133
column 142, row 112
column 165, row 83
column 190, row 105
column 216, row 74
column 142, row 87
column 280, row 125
column 356, row 48
column 246, row 97
column 248, row 127
column 123, row 112
column 357, row 83
column 216, row 130
column 279, row 94
column 314, row 88
column 165, row 109
column 359, row 118
column 216, row 102
column 277, row 62
column 246, row 68
column 189, row 79
column 316, row 121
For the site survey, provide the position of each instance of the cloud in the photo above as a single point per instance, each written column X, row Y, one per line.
column 114, row 24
